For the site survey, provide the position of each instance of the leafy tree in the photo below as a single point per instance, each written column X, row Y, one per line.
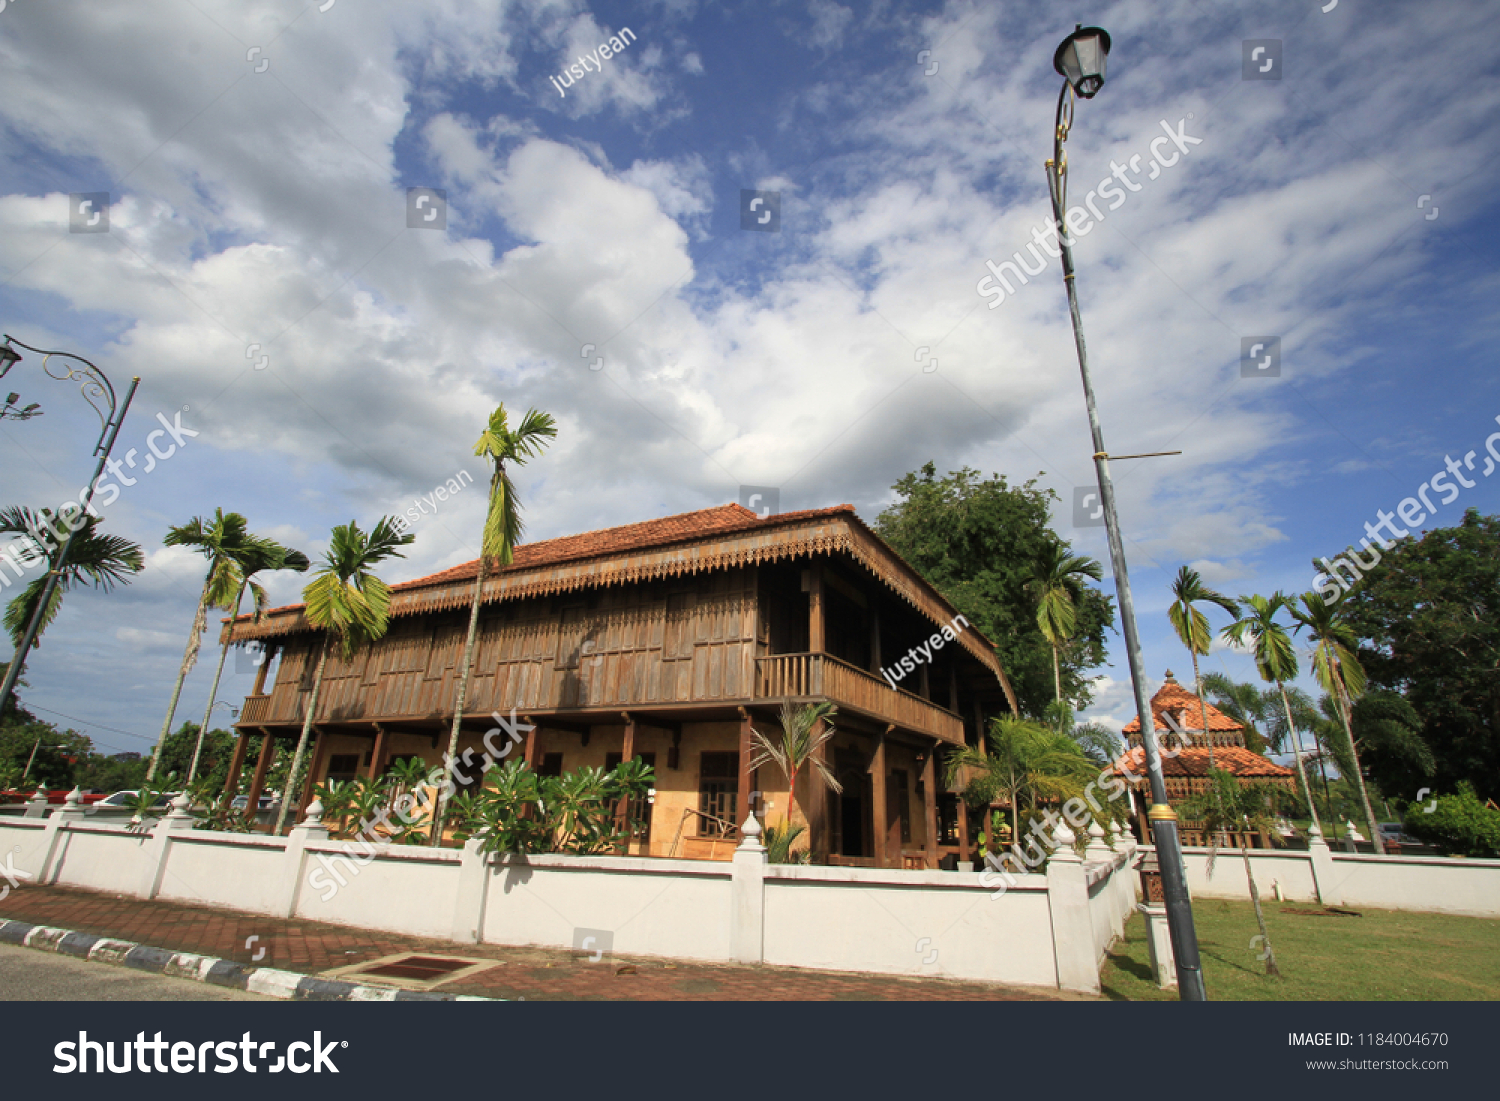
column 1387, row 730
column 1191, row 625
column 181, row 747
column 219, row 540
column 978, row 543
column 256, row 555
column 515, row 810
column 1430, row 618
column 1459, row 823
column 1057, row 583
column 502, row 531
column 351, row 606
column 1338, row 670
column 103, row 560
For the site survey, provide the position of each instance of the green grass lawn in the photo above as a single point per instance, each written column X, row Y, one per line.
column 1384, row 955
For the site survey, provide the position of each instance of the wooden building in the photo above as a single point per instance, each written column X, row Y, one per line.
column 1186, row 772
column 670, row 640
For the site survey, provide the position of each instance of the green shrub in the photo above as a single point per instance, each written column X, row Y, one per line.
column 1458, row 824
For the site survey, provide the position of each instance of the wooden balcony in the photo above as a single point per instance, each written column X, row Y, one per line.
column 822, row 676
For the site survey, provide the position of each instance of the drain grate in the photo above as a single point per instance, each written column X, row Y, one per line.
column 413, row 971
column 422, row 968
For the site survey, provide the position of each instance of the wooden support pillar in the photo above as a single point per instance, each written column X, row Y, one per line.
column 532, row 741
column 816, row 806
column 815, row 633
column 963, row 834
column 879, row 817
column 979, row 725
column 929, row 800
column 258, row 780
column 874, row 639
column 627, row 753
column 377, row 752
column 742, row 807
column 923, row 682
column 236, row 763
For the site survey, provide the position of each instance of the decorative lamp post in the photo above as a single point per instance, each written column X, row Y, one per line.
column 93, row 384
column 1080, row 61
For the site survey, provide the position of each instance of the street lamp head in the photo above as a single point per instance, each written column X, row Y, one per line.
column 9, row 357
column 1080, row 59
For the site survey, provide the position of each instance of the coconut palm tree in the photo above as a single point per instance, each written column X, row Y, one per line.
column 1276, row 660
column 351, row 606
column 502, row 531
column 256, row 556
column 1192, row 629
column 804, row 731
column 1338, row 671
column 1056, row 580
column 1244, row 703
column 218, row 540
column 103, row 560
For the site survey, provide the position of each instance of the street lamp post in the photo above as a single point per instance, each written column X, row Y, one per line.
column 1080, row 61
column 93, row 384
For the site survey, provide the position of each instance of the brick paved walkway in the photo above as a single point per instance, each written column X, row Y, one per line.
column 535, row 974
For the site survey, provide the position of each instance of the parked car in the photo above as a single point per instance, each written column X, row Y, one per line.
column 120, row 801
column 1394, row 831
column 266, row 802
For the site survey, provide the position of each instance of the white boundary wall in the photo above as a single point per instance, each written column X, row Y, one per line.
column 1047, row 929
column 1427, row 884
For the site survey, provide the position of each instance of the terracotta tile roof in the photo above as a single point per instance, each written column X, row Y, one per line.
column 1175, row 698
column 1193, row 762
column 685, row 527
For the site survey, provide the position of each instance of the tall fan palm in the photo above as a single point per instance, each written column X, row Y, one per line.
column 218, row 540
column 1338, row 670
column 1056, row 579
column 257, row 556
column 352, row 607
column 103, row 560
column 1276, row 659
column 502, row 531
column 1244, row 703
column 1192, row 628
column 798, row 742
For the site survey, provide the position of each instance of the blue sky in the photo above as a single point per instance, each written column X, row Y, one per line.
column 270, row 208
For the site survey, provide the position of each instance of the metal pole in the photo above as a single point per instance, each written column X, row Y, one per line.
column 102, row 449
column 1162, row 817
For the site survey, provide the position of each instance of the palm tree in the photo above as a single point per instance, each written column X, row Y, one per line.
column 1338, row 670
column 502, row 531
column 103, row 560
column 1192, row 629
column 1244, row 703
column 1276, row 660
column 1227, row 805
column 1026, row 760
column 804, row 731
column 218, row 541
column 256, row 556
column 351, row 606
column 1056, row 581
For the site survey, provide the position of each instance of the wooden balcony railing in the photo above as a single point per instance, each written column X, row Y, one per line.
column 256, row 710
column 806, row 676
